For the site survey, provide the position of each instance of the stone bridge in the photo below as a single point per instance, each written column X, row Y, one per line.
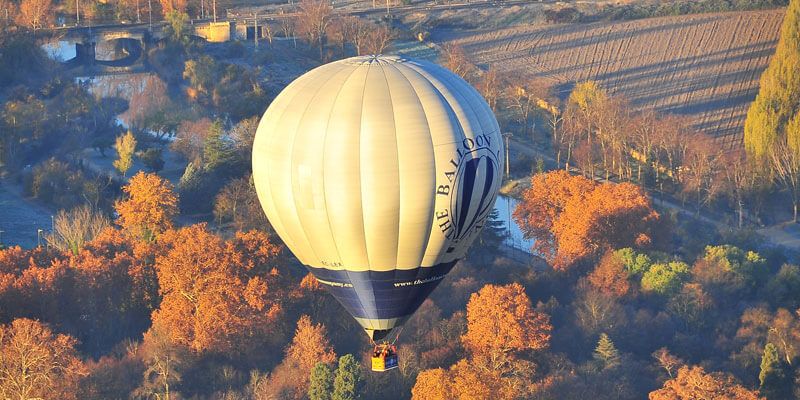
column 111, row 45
column 124, row 46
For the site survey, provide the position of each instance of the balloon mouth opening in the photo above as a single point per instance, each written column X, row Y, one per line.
column 378, row 334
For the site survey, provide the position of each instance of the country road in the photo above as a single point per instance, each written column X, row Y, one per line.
column 269, row 12
column 531, row 150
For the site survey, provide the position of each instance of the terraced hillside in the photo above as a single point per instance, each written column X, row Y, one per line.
column 704, row 66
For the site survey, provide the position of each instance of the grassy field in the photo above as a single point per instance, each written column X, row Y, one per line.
column 703, row 66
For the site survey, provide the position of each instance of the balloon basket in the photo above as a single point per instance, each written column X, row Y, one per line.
column 384, row 358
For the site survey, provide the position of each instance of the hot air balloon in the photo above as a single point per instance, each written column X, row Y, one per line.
column 378, row 172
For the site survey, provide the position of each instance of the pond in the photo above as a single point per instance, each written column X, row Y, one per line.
column 505, row 209
column 60, row 50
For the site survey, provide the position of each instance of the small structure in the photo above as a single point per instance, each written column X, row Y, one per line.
column 246, row 30
column 216, row 32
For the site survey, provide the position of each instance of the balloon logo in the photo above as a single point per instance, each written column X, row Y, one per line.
column 473, row 195
column 378, row 173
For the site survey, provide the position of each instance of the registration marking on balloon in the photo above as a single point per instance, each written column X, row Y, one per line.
column 470, row 184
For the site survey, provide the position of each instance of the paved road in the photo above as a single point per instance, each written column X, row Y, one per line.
column 20, row 218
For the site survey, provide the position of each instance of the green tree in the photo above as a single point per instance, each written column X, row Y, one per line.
column 606, row 354
column 772, row 377
column 203, row 75
column 348, row 382
column 177, row 26
column 218, row 148
column 126, row 146
column 153, row 159
column 747, row 266
column 778, row 100
column 783, row 289
column 321, row 386
column 665, row 278
column 635, row 263
column 191, row 179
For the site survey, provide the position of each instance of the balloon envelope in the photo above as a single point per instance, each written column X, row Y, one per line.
column 378, row 172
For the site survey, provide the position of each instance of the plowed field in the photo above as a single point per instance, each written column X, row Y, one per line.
column 704, row 66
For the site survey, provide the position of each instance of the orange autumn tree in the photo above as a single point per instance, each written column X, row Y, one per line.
column 502, row 323
column 310, row 345
column 217, row 296
column 149, row 207
column 36, row 363
column 502, row 332
column 543, row 204
column 118, row 287
column 573, row 218
column 610, row 277
column 695, row 383
column 432, row 384
column 101, row 295
column 36, row 287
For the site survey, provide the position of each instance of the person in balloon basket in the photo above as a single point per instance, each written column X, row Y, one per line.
column 384, row 357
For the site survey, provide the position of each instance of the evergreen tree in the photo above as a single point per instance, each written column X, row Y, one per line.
column 606, row 354
column 218, row 148
column 778, row 100
column 772, row 376
column 492, row 235
column 347, row 384
column 321, row 386
column 190, row 178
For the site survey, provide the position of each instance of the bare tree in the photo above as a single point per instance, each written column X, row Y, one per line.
column 555, row 121
column 455, row 59
column 337, row 33
column 35, row 13
column 786, row 165
column 667, row 361
column 36, row 363
column 313, row 19
column 644, row 136
column 378, row 39
column 740, row 179
column 347, row 26
column 359, row 34
column 613, row 123
column 581, row 117
column 7, row 12
column 366, row 37
column 76, row 227
column 672, row 142
column 524, row 99
column 163, row 361
column 490, row 87
column 288, row 28
column 701, row 169
column 269, row 32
